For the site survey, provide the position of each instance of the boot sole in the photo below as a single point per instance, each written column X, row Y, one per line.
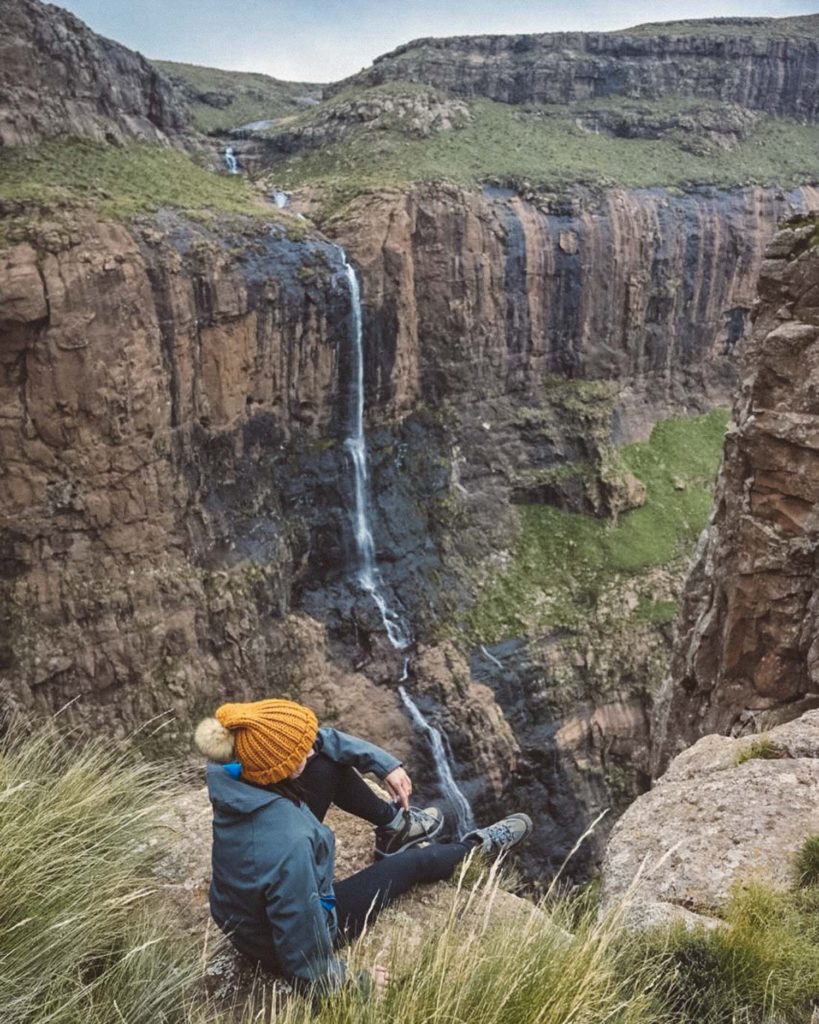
column 425, row 838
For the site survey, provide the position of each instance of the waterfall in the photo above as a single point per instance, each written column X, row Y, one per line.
column 459, row 803
column 398, row 630
column 368, row 576
column 281, row 199
column 231, row 162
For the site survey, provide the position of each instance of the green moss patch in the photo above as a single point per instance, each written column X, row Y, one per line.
column 119, row 182
column 563, row 563
column 762, row 750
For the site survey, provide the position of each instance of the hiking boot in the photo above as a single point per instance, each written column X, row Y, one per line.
column 410, row 828
column 502, row 836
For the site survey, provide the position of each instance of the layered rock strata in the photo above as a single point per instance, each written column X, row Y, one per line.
column 761, row 69
column 57, row 78
column 748, row 632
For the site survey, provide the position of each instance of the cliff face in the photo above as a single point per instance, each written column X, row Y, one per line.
column 474, row 292
column 747, row 648
column 777, row 75
column 176, row 492
column 59, row 78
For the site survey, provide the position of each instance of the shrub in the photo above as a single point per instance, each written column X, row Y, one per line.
column 807, row 863
column 83, row 940
column 761, row 966
column 763, row 749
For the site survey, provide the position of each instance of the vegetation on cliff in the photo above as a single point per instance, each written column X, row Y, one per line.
column 118, row 181
column 564, row 563
column 616, row 141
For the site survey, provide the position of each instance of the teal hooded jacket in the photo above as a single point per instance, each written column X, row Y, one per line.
column 273, row 862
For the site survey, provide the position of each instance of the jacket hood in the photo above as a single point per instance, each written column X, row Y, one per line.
column 233, row 795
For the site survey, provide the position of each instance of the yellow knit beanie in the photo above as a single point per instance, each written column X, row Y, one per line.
column 269, row 737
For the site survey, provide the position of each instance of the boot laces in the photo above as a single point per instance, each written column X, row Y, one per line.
column 500, row 834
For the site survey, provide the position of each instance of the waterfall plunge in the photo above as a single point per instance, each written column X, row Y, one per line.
column 459, row 803
column 368, row 576
column 398, row 631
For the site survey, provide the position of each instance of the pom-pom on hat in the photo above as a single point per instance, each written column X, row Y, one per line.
column 269, row 737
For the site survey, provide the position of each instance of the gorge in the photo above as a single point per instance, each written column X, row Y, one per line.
column 542, row 353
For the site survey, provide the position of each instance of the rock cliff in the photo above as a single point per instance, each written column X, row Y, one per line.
column 754, row 64
column 747, row 629
column 175, row 490
column 59, row 78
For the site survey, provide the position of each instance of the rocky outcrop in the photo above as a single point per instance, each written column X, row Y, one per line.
column 58, row 78
column 416, row 113
column 748, row 633
column 762, row 70
column 726, row 811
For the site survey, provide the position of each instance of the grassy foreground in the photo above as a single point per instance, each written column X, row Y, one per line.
column 85, row 937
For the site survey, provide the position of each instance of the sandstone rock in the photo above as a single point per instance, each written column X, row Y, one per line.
column 59, row 78
column 776, row 74
column 711, row 823
column 748, row 626
column 417, row 115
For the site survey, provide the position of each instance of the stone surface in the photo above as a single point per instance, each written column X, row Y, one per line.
column 776, row 74
column 416, row 114
column 58, row 78
column 748, row 630
column 710, row 823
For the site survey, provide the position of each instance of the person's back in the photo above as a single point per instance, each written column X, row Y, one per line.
column 263, row 845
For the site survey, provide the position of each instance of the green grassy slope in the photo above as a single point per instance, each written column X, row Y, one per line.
column 548, row 147
column 565, row 565
column 222, row 100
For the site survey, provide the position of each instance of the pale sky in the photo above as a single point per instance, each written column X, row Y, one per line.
column 325, row 40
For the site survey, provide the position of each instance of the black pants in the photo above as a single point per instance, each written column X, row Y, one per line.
column 361, row 897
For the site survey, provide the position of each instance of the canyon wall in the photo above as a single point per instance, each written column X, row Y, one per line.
column 775, row 74
column 748, row 634
column 58, row 78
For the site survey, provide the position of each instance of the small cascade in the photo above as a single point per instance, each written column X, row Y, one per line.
column 231, row 162
column 280, row 199
column 460, row 804
column 368, row 576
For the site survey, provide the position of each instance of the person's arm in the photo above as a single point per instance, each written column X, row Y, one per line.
column 350, row 750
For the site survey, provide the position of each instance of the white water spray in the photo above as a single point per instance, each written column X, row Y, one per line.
column 461, row 806
column 281, row 199
column 231, row 162
column 368, row 576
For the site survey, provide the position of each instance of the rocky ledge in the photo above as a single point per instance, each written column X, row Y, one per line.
column 727, row 811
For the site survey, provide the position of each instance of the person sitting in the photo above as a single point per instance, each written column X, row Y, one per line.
column 272, row 776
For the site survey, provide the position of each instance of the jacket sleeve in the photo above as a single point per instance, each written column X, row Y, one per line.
column 300, row 925
column 349, row 750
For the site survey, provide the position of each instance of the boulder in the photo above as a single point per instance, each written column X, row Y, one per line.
column 726, row 812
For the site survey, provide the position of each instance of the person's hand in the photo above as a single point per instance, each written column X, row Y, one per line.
column 381, row 978
column 400, row 786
